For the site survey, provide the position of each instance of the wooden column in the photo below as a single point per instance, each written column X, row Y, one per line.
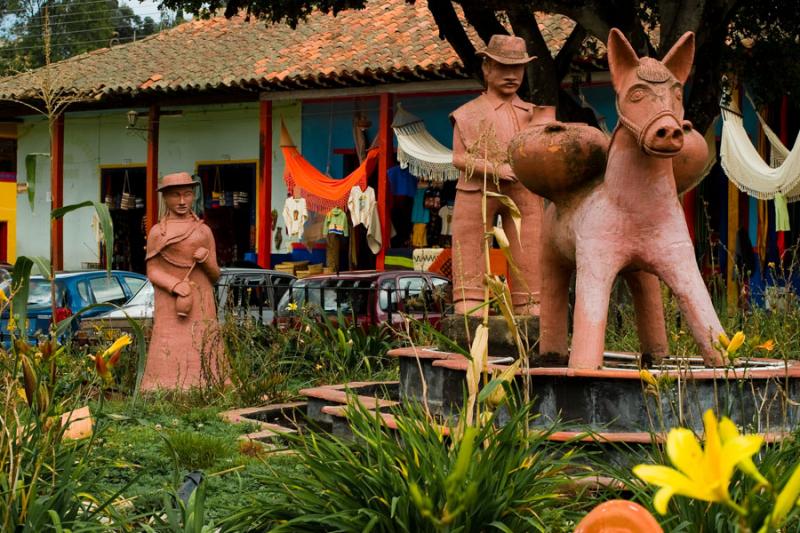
column 385, row 160
column 151, row 194
column 263, row 231
column 784, row 135
column 57, row 192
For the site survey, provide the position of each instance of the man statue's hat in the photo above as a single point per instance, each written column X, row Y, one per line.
column 178, row 179
column 507, row 50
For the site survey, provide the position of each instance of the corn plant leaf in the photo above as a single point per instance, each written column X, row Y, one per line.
column 512, row 210
column 43, row 266
column 489, row 389
column 103, row 215
column 20, row 285
column 30, row 172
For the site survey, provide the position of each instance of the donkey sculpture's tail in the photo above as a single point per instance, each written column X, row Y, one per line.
column 615, row 210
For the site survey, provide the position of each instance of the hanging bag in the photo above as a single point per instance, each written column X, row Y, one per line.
column 128, row 199
column 217, row 197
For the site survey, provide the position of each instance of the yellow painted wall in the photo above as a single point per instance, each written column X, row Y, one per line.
column 8, row 213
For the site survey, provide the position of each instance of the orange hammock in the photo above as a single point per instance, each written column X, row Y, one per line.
column 321, row 192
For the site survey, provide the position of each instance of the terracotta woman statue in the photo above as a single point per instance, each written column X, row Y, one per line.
column 182, row 265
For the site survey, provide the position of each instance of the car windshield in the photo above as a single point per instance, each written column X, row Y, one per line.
column 348, row 296
column 144, row 296
column 39, row 292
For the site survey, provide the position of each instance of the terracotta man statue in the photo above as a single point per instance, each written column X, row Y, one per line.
column 497, row 114
column 182, row 265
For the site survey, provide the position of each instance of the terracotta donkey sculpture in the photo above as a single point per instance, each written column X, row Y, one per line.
column 615, row 210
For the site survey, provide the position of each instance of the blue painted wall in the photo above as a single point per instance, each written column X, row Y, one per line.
column 328, row 126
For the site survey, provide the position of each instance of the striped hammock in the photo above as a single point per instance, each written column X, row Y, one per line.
column 419, row 152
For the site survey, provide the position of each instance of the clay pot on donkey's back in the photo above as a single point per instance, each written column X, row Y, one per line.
column 555, row 158
column 690, row 162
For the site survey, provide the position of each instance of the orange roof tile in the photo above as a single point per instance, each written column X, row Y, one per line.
column 388, row 41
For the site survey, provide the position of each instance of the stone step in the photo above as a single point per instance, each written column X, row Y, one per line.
column 341, row 395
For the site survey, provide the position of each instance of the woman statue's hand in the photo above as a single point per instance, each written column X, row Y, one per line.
column 182, row 288
column 200, row 255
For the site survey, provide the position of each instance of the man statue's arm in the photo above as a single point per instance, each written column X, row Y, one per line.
column 502, row 171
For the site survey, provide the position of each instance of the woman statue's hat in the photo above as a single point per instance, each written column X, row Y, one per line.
column 179, row 179
column 507, row 50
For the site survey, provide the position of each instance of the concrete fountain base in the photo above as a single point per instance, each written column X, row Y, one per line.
column 615, row 402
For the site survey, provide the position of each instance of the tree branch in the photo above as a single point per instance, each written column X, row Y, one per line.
column 541, row 81
column 570, row 49
column 450, row 29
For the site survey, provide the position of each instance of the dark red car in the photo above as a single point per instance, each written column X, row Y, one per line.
column 370, row 297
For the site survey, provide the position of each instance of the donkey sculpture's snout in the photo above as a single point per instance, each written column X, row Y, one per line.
column 614, row 210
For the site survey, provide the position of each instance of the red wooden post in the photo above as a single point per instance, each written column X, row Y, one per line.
column 57, row 192
column 264, row 242
column 784, row 135
column 151, row 182
column 385, row 160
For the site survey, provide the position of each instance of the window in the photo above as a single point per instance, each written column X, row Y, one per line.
column 413, row 294
column 107, row 290
column 39, row 293
column 387, row 294
column 134, row 284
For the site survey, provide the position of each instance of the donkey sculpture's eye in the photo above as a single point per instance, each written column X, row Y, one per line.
column 678, row 92
column 636, row 95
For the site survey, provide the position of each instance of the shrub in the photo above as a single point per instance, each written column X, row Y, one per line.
column 415, row 479
column 196, row 451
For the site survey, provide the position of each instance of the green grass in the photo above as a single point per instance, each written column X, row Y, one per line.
column 133, row 447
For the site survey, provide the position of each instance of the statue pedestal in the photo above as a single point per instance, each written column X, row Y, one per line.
column 501, row 342
column 614, row 401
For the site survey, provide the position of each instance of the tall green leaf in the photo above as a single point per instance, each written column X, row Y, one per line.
column 30, row 171
column 20, row 284
column 43, row 265
column 105, row 223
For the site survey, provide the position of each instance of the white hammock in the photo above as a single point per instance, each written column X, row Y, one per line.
column 418, row 151
column 747, row 170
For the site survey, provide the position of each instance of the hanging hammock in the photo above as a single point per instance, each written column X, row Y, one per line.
column 747, row 170
column 321, row 192
column 419, row 152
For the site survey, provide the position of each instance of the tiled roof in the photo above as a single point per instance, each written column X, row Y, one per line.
column 388, row 41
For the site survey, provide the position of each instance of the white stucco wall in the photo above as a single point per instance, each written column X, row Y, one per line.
column 91, row 139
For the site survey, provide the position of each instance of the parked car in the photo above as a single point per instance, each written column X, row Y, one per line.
column 239, row 291
column 370, row 297
column 74, row 291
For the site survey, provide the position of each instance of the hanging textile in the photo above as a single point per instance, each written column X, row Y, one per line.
column 747, row 169
column 321, row 192
column 419, row 152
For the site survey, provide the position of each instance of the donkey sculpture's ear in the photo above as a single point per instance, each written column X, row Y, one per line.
column 621, row 57
column 680, row 57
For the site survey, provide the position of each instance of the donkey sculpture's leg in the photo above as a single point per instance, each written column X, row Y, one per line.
column 646, row 292
column 679, row 272
column 553, row 320
column 595, row 277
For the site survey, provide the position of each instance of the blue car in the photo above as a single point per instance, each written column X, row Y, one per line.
column 74, row 291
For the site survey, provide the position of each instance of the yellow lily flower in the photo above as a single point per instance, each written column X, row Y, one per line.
column 118, row 345
column 728, row 431
column 647, row 377
column 700, row 473
column 736, row 342
column 3, row 297
column 768, row 345
column 724, row 340
column 784, row 503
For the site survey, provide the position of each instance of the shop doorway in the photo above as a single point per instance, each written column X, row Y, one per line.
column 123, row 190
column 229, row 200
